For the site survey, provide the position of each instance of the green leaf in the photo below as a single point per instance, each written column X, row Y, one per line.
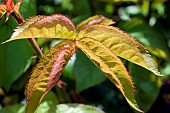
column 15, row 56
column 54, row 26
column 84, row 67
column 97, row 19
column 119, row 0
column 25, row 5
column 121, row 44
column 48, row 106
column 76, row 108
column 47, row 72
column 147, row 36
column 111, row 65
column 147, row 86
column 17, row 108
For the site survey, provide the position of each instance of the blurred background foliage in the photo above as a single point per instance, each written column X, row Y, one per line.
column 146, row 20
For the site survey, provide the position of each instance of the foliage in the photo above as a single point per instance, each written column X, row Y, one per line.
column 106, row 46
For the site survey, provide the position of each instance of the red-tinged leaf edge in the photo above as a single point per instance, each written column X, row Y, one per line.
column 47, row 74
column 97, row 19
column 121, row 82
column 40, row 24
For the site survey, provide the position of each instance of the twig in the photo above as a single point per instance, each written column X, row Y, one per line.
column 32, row 42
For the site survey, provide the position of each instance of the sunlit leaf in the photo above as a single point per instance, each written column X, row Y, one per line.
column 24, row 25
column 111, row 65
column 2, row 10
column 121, row 44
column 47, row 72
column 148, row 36
column 98, row 19
column 54, row 26
column 76, row 108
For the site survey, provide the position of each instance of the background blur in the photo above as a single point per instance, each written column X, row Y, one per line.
column 146, row 20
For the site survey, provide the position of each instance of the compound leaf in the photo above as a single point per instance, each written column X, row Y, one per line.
column 121, row 44
column 97, row 19
column 54, row 26
column 46, row 73
column 111, row 65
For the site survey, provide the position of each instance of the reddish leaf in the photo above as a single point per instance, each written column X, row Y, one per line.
column 54, row 26
column 10, row 8
column 47, row 72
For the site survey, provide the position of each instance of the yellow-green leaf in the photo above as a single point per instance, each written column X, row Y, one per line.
column 46, row 73
column 2, row 10
column 111, row 65
column 54, row 26
column 121, row 44
column 25, row 24
column 97, row 19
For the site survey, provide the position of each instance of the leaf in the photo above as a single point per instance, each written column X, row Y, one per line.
column 121, row 44
column 9, row 7
column 76, row 108
column 97, row 19
column 25, row 24
column 147, row 35
column 83, row 67
column 119, row 1
column 12, row 8
column 111, row 65
column 15, row 57
column 47, row 72
column 24, row 8
column 17, row 108
column 146, row 83
column 2, row 10
column 48, row 106
column 54, row 26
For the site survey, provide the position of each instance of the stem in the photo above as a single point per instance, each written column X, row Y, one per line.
column 32, row 42
column 35, row 47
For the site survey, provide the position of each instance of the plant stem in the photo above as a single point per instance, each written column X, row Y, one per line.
column 32, row 42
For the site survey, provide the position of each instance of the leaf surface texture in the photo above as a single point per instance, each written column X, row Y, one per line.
column 54, row 26
column 111, row 65
column 122, row 44
column 47, row 72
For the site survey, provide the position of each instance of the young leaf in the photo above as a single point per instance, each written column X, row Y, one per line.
column 47, row 72
column 2, row 10
column 10, row 7
column 121, row 44
column 54, row 26
column 111, row 65
column 25, row 24
column 97, row 19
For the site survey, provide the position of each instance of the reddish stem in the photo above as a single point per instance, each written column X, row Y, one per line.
column 31, row 41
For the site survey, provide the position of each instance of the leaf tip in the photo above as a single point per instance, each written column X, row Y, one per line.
column 5, row 42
